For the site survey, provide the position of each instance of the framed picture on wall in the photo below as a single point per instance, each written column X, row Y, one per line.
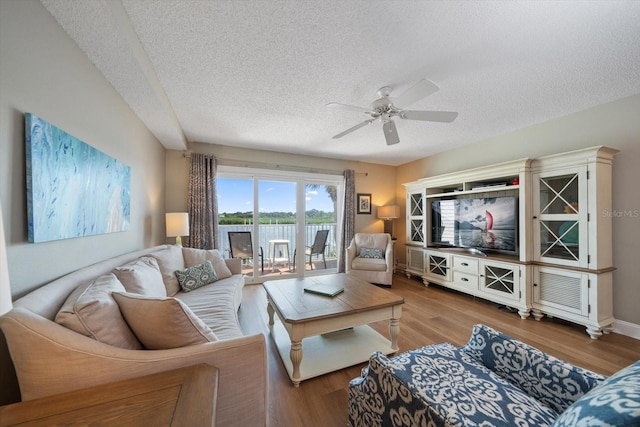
column 83, row 192
column 364, row 203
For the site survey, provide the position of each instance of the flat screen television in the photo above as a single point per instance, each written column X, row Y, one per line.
column 485, row 224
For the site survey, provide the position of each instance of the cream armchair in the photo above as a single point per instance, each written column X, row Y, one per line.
column 370, row 257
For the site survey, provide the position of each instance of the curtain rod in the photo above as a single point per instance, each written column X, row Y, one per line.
column 273, row 166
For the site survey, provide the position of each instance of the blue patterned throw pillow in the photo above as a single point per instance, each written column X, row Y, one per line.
column 615, row 402
column 194, row 277
column 371, row 253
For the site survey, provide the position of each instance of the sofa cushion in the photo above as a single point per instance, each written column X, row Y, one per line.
column 217, row 305
column 442, row 386
column 170, row 260
column 615, row 402
column 371, row 253
column 198, row 256
column 142, row 276
column 369, row 264
column 552, row 381
column 162, row 323
column 371, row 240
column 197, row 276
column 90, row 310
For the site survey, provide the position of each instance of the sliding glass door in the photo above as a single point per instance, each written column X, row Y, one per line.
column 321, row 227
column 235, row 222
column 277, row 226
column 280, row 226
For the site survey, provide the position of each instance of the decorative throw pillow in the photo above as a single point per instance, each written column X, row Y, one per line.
column 371, row 253
column 162, row 323
column 197, row 276
column 90, row 310
column 615, row 402
column 198, row 256
column 142, row 276
column 169, row 260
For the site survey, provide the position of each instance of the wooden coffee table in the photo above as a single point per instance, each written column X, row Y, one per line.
column 334, row 328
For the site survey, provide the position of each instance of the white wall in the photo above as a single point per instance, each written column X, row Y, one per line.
column 44, row 72
column 616, row 124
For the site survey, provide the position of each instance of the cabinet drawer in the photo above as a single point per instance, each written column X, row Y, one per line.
column 466, row 280
column 465, row 265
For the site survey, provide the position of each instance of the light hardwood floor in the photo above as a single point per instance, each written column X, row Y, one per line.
column 430, row 315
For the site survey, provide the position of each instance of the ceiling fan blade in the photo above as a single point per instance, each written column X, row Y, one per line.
column 352, row 129
column 415, row 93
column 390, row 132
column 337, row 106
column 429, row 116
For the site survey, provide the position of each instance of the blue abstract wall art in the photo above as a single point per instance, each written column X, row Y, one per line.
column 73, row 190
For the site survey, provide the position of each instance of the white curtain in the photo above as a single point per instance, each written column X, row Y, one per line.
column 5, row 288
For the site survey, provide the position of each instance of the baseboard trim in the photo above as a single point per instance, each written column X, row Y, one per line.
column 627, row 328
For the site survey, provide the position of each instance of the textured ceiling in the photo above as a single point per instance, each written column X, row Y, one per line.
column 258, row 74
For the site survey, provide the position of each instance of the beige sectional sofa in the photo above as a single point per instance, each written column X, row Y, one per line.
column 68, row 334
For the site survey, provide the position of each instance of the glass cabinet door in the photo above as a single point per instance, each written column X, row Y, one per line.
column 417, row 233
column 415, row 218
column 500, row 279
column 416, row 204
column 561, row 213
column 437, row 265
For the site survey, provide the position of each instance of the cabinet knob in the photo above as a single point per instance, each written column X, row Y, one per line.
column 464, row 279
column 535, row 285
column 535, row 217
column 464, row 264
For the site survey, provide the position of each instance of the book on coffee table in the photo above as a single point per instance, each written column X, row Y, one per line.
column 326, row 289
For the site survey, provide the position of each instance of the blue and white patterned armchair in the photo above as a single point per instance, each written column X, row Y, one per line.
column 494, row 380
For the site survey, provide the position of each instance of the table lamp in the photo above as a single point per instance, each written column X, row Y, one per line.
column 388, row 214
column 177, row 225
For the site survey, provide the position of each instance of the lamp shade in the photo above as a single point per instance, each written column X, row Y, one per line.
column 388, row 212
column 5, row 288
column 177, row 224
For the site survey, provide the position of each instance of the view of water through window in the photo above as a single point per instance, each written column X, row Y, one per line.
column 278, row 228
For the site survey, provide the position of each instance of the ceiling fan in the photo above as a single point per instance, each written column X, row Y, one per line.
column 385, row 108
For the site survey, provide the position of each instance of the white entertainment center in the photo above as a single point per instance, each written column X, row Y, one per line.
column 558, row 258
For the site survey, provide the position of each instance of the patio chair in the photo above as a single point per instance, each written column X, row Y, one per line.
column 318, row 247
column 241, row 246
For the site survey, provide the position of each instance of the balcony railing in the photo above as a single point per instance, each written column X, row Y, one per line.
column 268, row 232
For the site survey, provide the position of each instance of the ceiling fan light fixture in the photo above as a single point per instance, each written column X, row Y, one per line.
column 384, row 109
column 384, row 92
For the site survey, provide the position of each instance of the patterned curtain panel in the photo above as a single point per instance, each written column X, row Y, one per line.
column 203, row 203
column 349, row 217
